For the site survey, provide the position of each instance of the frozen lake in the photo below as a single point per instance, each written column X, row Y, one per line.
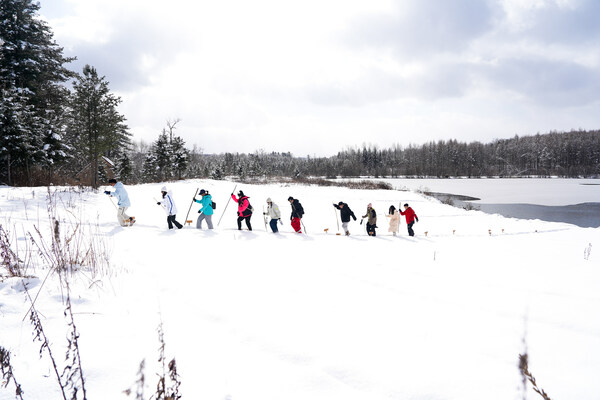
column 575, row 201
column 546, row 192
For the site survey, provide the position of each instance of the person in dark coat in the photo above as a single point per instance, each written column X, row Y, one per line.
column 244, row 209
column 345, row 214
column 411, row 218
column 371, row 221
column 297, row 213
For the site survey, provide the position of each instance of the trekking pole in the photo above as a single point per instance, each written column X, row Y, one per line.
column 336, row 218
column 226, row 206
column 111, row 200
column 265, row 219
column 113, row 203
column 188, row 213
column 301, row 222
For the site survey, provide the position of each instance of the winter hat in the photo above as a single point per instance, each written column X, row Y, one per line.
column 406, row 205
column 269, row 200
column 341, row 203
column 290, row 198
column 370, row 205
column 202, row 192
column 240, row 193
column 163, row 189
column 112, row 181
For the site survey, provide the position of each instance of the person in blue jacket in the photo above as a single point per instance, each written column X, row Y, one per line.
column 122, row 202
column 206, row 211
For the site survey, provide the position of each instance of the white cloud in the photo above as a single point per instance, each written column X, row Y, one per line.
column 317, row 76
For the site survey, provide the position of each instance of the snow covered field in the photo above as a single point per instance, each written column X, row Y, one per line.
column 253, row 315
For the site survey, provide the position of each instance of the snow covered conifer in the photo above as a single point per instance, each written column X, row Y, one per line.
column 180, row 157
column 33, row 96
column 95, row 126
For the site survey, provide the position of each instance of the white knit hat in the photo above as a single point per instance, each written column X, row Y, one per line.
column 163, row 189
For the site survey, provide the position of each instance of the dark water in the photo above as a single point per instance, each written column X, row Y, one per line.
column 585, row 215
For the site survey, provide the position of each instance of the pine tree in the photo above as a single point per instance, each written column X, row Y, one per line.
column 20, row 146
column 95, row 126
column 150, row 169
column 180, row 156
column 167, row 158
column 31, row 82
column 124, row 169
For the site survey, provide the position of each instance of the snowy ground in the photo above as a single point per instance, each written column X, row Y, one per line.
column 253, row 315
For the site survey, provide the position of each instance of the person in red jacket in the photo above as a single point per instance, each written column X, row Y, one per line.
column 411, row 217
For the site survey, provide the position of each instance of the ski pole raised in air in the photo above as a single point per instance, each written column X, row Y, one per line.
column 226, row 205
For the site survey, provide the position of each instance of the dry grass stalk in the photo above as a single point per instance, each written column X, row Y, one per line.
column 40, row 335
column 9, row 259
column 139, row 383
column 164, row 392
column 527, row 376
column 7, row 372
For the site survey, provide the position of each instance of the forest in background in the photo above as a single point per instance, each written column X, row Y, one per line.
column 565, row 154
column 58, row 126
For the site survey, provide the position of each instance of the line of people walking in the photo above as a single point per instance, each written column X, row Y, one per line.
column 245, row 212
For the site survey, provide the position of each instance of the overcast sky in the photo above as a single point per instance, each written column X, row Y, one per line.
column 317, row 76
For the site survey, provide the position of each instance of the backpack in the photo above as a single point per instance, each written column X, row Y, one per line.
column 213, row 205
column 249, row 205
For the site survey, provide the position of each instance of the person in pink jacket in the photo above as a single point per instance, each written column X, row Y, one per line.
column 394, row 217
column 244, row 209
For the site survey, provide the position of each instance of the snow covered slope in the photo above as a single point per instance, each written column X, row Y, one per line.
column 254, row 315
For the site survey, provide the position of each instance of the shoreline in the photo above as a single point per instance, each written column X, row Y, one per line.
column 584, row 215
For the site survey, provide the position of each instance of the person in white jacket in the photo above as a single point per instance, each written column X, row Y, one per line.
column 170, row 208
column 394, row 217
column 274, row 213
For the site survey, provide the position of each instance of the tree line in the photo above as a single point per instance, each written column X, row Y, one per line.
column 566, row 154
column 63, row 127
column 55, row 124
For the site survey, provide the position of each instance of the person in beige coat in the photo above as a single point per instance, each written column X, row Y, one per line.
column 394, row 217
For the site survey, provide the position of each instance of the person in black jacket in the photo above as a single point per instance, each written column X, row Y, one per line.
column 297, row 213
column 345, row 214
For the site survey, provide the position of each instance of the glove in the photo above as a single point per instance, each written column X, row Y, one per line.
column 280, row 221
column 264, row 213
column 107, row 192
column 417, row 219
column 354, row 218
column 158, row 202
